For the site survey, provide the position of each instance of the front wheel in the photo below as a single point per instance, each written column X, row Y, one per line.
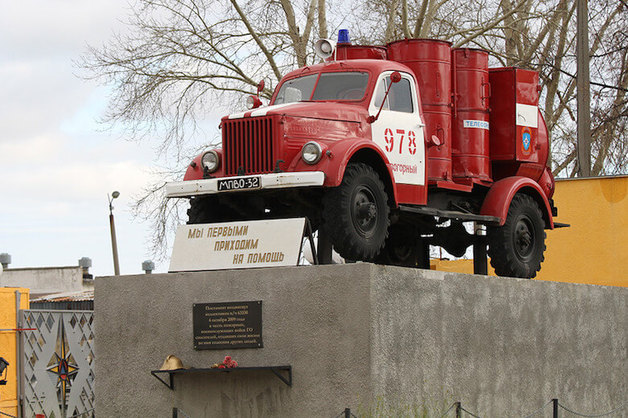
column 206, row 209
column 213, row 208
column 516, row 248
column 356, row 214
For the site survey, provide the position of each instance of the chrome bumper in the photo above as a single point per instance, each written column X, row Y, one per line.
column 267, row 182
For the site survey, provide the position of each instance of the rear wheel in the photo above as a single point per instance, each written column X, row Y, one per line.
column 356, row 214
column 401, row 247
column 516, row 248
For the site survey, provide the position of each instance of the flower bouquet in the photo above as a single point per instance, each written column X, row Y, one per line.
column 227, row 363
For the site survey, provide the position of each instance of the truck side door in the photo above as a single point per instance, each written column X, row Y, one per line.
column 399, row 130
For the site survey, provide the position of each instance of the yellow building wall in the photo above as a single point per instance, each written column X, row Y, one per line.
column 8, row 346
column 594, row 250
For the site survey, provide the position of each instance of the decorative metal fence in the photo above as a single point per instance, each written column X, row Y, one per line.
column 458, row 411
column 57, row 354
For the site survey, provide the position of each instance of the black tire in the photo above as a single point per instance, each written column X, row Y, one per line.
column 401, row 247
column 356, row 213
column 516, row 248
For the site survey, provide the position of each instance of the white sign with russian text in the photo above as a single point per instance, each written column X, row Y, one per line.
column 237, row 245
column 481, row 124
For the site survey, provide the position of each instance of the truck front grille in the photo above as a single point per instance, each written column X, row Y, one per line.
column 247, row 146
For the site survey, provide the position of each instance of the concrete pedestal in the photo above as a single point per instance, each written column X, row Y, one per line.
column 359, row 335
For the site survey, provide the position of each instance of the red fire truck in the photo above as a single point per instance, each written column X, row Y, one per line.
column 388, row 150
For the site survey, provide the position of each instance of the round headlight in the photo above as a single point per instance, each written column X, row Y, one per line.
column 253, row 102
column 311, row 153
column 211, row 161
column 250, row 102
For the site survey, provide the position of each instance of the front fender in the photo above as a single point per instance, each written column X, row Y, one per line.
column 195, row 169
column 499, row 197
column 336, row 157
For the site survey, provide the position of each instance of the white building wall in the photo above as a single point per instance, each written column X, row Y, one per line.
column 46, row 280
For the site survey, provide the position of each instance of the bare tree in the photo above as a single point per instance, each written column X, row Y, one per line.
column 180, row 59
column 183, row 57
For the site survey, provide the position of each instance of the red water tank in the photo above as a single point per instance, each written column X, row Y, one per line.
column 430, row 60
column 519, row 138
column 356, row 52
column 470, row 150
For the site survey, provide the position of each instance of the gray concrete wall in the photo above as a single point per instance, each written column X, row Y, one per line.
column 360, row 334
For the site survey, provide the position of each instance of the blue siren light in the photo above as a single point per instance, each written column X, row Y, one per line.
column 343, row 36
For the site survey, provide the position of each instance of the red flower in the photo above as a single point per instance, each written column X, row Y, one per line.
column 227, row 363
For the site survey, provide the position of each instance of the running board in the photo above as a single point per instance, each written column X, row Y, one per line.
column 451, row 214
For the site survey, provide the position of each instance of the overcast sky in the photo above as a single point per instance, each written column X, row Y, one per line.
column 57, row 164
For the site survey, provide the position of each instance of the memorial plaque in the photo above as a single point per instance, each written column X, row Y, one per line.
column 227, row 325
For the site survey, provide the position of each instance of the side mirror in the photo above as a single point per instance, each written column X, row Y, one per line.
column 395, row 77
column 253, row 102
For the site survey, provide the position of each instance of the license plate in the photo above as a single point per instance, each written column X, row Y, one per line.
column 239, row 184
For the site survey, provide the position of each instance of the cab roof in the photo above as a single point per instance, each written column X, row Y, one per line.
column 370, row 65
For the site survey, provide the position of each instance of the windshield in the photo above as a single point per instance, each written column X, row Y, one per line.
column 330, row 86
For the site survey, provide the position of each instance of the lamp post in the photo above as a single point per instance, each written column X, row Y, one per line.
column 114, row 244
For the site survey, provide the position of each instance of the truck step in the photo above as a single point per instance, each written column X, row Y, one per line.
column 451, row 214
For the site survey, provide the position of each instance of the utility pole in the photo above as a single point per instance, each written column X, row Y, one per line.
column 583, row 91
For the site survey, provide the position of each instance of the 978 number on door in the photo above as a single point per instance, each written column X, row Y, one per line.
column 389, row 137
